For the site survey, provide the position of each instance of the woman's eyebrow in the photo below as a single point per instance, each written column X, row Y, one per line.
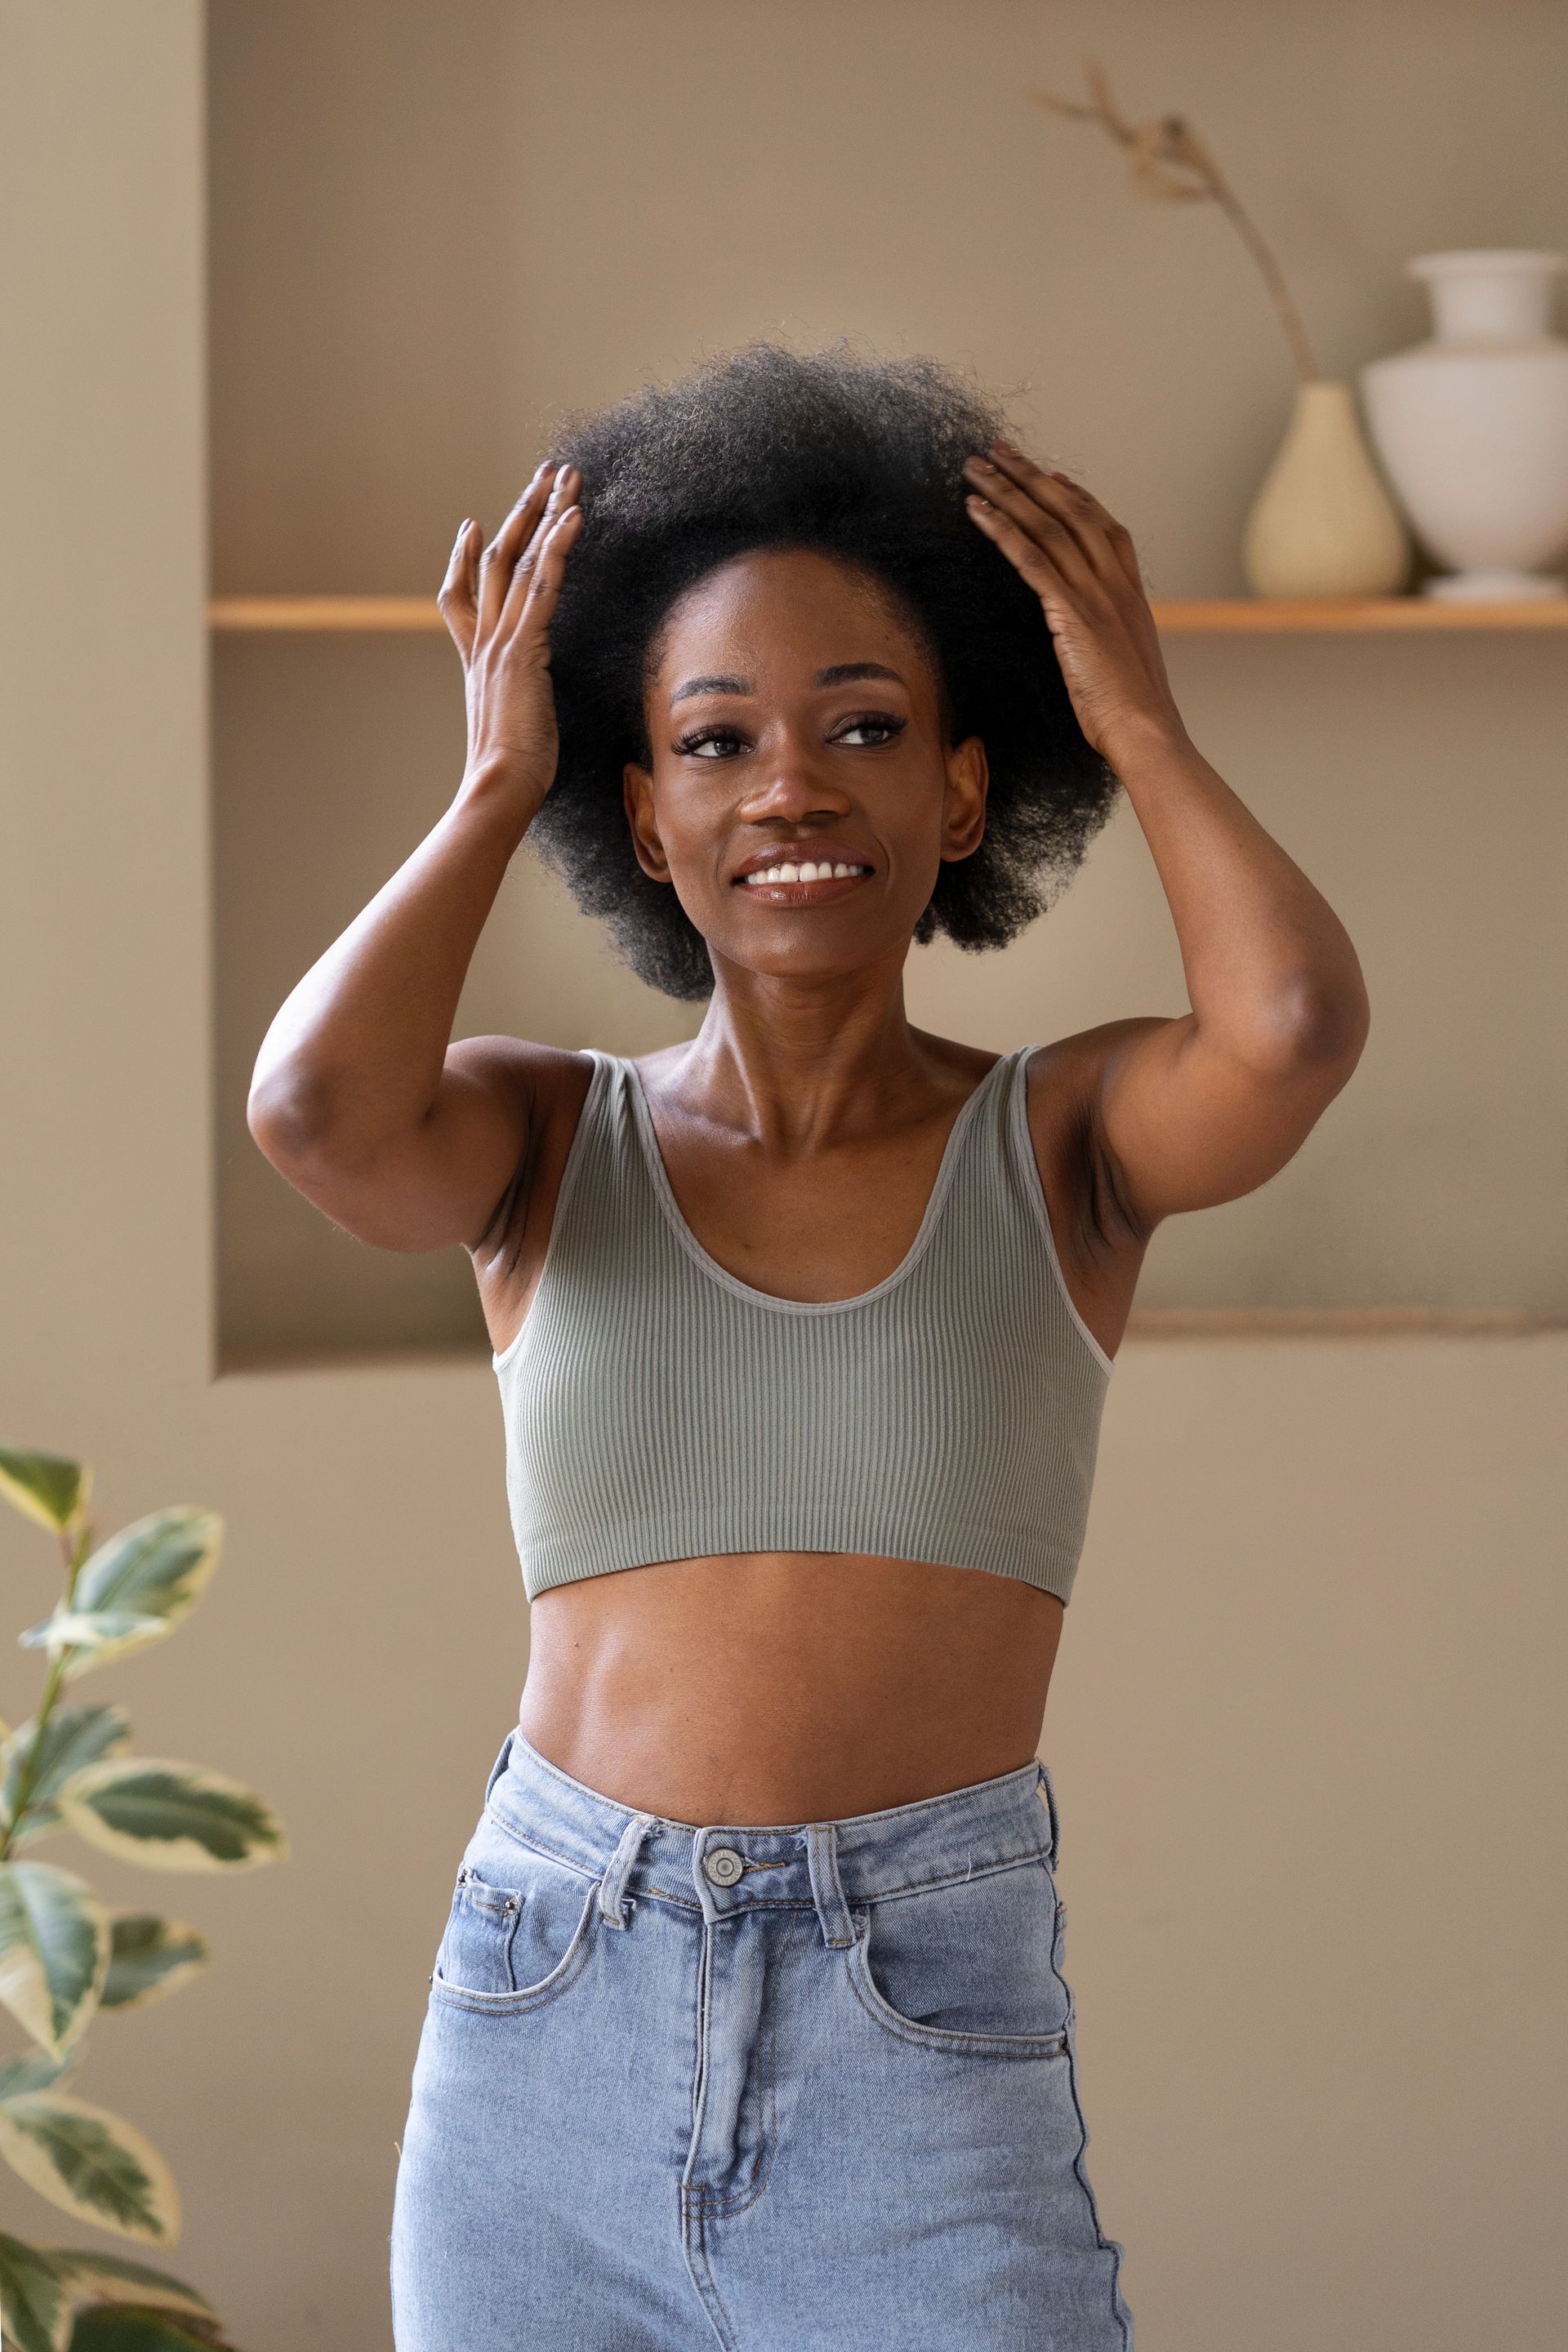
column 839, row 673
column 711, row 686
column 846, row 673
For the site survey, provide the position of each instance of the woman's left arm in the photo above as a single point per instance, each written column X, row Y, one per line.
column 1207, row 1106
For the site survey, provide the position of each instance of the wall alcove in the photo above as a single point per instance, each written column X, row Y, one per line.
column 390, row 343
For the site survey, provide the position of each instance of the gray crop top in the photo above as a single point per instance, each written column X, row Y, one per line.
column 658, row 1408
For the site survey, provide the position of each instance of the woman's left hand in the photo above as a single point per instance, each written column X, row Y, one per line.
column 1081, row 564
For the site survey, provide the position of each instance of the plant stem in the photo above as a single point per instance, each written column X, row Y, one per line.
column 1168, row 144
column 1274, row 277
column 75, row 1553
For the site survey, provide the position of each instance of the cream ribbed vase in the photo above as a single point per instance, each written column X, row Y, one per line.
column 1322, row 524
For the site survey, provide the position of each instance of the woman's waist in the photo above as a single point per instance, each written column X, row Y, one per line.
column 778, row 1686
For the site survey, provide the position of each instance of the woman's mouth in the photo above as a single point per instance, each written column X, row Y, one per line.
column 804, row 882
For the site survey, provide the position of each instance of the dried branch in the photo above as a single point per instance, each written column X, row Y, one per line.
column 1171, row 164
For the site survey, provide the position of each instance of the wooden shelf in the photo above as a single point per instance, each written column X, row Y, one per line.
column 1339, row 1323
column 1180, row 616
column 1158, row 1323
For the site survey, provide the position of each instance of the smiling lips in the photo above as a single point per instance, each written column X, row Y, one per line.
column 804, row 881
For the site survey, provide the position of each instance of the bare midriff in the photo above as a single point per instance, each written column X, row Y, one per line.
column 758, row 1688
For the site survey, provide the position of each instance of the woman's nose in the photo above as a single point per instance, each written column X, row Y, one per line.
column 794, row 786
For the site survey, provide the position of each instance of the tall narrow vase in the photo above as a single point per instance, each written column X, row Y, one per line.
column 1322, row 524
column 1472, row 426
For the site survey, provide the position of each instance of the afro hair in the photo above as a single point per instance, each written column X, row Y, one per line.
column 859, row 460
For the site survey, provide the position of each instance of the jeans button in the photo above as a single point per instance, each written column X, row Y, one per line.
column 723, row 1866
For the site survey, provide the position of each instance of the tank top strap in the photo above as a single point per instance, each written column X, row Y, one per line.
column 604, row 1178
column 995, row 1163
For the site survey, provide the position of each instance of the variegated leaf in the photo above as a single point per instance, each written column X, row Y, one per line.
column 33, row 2303
column 34, row 2072
column 157, row 1566
column 92, row 2164
column 45, row 1487
column 119, row 2329
column 74, row 1738
column 54, row 1951
column 93, row 1636
column 148, row 1957
column 170, row 1816
column 90, row 2278
column 115, row 2328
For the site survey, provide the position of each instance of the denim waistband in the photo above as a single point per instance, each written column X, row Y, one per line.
column 719, row 1869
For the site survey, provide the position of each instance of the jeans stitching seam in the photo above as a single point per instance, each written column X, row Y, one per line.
column 1106, row 2245
column 723, row 2206
column 960, row 2043
column 805, row 1903
column 517, row 2003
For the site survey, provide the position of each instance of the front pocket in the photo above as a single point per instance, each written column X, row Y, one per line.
column 519, row 1930
column 967, row 1967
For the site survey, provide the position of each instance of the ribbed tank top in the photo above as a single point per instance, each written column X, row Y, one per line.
column 658, row 1408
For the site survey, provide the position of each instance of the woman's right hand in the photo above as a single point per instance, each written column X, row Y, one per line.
column 499, row 615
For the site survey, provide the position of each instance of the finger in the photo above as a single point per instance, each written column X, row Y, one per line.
column 1073, row 510
column 562, row 490
column 496, row 564
column 454, row 597
column 545, row 588
column 1038, row 519
column 1103, row 534
column 1026, row 556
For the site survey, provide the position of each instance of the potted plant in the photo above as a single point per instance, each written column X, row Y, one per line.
column 63, row 1956
column 1322, row 523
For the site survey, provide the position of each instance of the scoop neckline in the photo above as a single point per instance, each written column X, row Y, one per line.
column 664, row 1193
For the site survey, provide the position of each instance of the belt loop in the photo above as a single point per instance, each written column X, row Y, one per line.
column 613, row 1885
column 1044, row 1782
column 822, row 1861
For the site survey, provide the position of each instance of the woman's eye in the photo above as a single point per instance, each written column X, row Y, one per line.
column 870, row 731
column 711, row 743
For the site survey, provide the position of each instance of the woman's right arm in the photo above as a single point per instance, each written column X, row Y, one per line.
column 359, row 1096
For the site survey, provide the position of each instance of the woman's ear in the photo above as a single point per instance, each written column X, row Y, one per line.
column 963, row 808
column 636, row 790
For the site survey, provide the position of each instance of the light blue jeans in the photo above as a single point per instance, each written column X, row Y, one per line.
column 806, row 2088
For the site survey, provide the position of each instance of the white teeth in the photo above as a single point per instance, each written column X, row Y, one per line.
column 809, row 870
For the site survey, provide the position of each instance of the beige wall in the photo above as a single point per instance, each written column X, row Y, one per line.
column 392, row 338
column 1304, row 1726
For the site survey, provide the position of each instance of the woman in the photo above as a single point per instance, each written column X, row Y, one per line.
column 749, row 2019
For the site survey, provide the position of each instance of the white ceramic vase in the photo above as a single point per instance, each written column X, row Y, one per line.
column 1471, row 427
column 1322, row 523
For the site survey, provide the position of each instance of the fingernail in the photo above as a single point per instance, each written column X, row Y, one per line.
column 985, row 465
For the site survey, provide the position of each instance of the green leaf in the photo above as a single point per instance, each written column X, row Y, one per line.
column 92, row 2163
column 120, row 2330
column 34, row 2309
column 36, row 2072
column 45, row 1487
column 157, row 1566
column 148, row 1957
column 94, row 1635
column 74, row 1738
column 54, row 1950
column 111, row 2278
column 170, row 1816
column 133, row 1589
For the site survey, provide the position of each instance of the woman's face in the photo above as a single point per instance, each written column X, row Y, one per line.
column 801, row 797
